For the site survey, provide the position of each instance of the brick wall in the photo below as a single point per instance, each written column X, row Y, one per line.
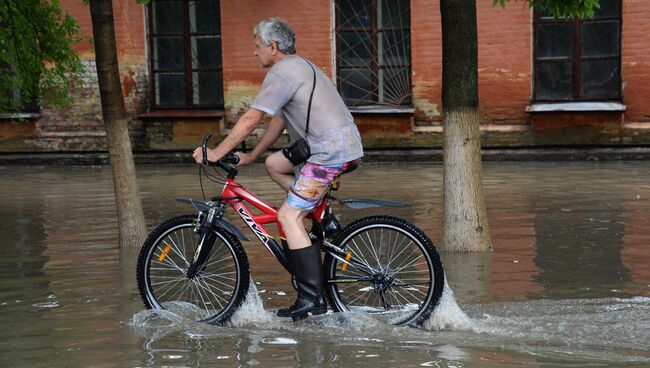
column 636, row 59
column 241, row 71
column 504, row 60
column 505, row 81
column 80, row 127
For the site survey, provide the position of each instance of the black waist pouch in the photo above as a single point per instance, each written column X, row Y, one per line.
column 298, row 152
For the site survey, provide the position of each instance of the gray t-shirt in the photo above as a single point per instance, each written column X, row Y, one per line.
column 333, row 137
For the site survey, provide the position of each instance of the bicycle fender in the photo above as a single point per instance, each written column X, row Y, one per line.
column 369, row 203
column 222, row 223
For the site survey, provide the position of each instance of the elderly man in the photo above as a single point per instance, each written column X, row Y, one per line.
column 292, row 87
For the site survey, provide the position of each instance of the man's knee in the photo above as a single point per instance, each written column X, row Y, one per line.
column 288, row 215
column 273, row 165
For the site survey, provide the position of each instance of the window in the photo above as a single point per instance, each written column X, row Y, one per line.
column 26, row 102
column 373, row 52
column 185, row 54
column 579, row 59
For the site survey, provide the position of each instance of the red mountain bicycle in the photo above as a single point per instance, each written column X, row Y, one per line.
column 381, row 265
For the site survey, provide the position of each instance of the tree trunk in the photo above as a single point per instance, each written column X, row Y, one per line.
column 465, row 226
column 130, row 217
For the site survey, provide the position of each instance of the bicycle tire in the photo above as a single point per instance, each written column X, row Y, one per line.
column 217, row 290
column 356, row 240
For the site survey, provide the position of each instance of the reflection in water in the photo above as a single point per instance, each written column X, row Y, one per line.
column 567, row 283
column 579, row 246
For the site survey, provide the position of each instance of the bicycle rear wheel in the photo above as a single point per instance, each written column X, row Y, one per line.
column 389, row 269
column 213, row 294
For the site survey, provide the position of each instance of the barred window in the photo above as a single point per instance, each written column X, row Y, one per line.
column 579, row 59
column 185, row 56
column 373, row 52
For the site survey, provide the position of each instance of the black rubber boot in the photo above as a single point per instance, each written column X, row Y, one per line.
column 285, row 249
column 309, row 280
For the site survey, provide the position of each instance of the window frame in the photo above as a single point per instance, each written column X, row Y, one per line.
column 187, row 57
column 576, row 57
column 374, row 67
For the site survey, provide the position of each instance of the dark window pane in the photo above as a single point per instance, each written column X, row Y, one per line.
column 393, row 14
column 600, row 38
column 168, row 17
column 206, row 52
column 608, row 8
column 355, row 49
column 168, row 53
column 395, row 86
column 393, row 48
column 170, row 89
column 554, row 40
column 207, row 88
column 356, row 86
column 553, row 80
column 600, row 79
column 354, row 14
column 205, row 16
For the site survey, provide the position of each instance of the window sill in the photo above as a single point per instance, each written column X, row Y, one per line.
column 576, row 107
column 182, row 114
column 379, row 109
column 20, row 115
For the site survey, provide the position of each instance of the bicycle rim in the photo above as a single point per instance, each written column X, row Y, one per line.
column 206, row 297
column 396, row 260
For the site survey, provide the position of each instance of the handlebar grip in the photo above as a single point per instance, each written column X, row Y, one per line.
column 231, row 159
column 204, row 147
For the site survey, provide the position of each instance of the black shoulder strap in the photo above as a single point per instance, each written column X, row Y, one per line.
column 311, row 96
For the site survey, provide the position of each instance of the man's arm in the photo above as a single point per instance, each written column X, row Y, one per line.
column 272, row 133
column 242, row 129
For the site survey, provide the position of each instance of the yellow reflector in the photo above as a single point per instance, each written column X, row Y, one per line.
column 347, row 258
column 164, row 253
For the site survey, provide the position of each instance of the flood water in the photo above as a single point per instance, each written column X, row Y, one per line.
column 568, row 282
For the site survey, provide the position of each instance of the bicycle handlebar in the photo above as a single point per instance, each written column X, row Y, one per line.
column 224, row 162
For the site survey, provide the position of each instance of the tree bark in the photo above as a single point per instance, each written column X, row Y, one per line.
column 130, row 217
column 465, row 226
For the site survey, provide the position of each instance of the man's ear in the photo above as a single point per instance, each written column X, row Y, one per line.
column 274, row 48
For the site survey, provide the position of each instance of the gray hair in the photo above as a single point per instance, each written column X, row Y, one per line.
column 278, row 31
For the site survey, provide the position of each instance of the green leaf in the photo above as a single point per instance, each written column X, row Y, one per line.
column 36, row 55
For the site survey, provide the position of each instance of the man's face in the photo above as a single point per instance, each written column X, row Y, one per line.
column 265, row 54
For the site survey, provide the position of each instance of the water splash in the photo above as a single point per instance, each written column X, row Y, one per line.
column 447, row 315
column 252, row 311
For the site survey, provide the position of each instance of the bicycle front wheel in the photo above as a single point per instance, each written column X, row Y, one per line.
column 212, row 294
column 389, row 268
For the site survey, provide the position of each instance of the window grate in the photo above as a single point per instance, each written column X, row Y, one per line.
column 373, row 52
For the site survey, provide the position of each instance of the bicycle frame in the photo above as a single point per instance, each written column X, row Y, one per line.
column 236, row 195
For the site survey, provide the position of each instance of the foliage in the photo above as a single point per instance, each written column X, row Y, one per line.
column 561, row 8
column 36, row 56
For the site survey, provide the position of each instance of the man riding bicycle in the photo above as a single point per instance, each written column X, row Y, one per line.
column 328, row 128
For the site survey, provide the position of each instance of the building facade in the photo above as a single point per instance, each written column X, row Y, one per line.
column 187, row 67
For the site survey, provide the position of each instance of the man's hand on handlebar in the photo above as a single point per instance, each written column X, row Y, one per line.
column 198, row 155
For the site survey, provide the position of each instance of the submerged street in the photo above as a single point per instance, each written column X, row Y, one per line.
column 568, row 282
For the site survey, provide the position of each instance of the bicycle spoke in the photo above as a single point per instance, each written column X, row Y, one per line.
column 371, row 248
column 176, row 250
column 166, row 282
column 217, row 281
column 160, row 296
column 203, row 284
column 402, row 266
column 169, row 261
column 360, row 254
